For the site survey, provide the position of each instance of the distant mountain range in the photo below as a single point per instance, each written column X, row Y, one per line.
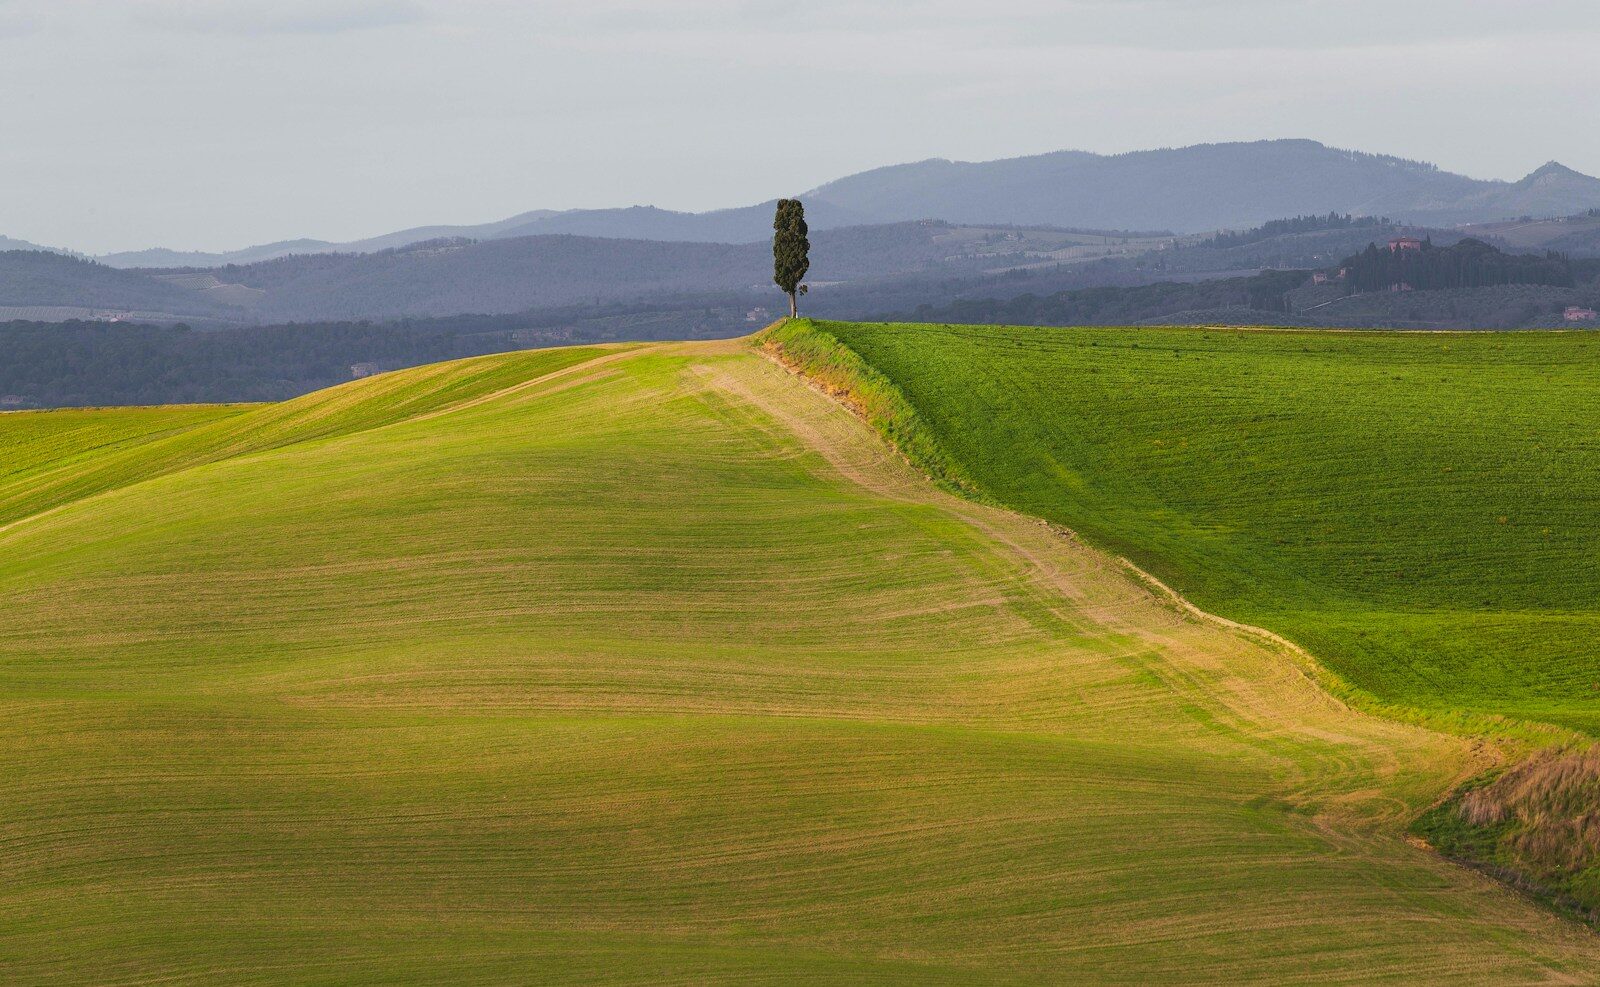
column 735, row 226
column 1182, row 190
column 1211, row 186
column 162, row 257
column 856, row 270
column 1026, row 224
column 453, row 275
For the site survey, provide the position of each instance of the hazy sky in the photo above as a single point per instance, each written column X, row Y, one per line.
column 219, row 123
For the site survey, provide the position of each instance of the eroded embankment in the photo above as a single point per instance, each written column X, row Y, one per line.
column 1535, row 825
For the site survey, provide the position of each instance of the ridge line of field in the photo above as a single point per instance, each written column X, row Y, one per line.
column 808, row 350
column 1501, row 746
column 782, row 357
column 777, row 353
column 804, row 348
column 1479, row 757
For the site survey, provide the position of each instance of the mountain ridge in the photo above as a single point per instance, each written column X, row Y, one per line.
column 1189, row 189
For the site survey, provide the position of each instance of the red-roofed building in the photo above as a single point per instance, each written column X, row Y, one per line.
column 1404, row 243
column 1577, row 313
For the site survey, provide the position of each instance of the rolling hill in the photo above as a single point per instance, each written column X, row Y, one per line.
column 1577, row 235
column 8, row 243
column 652, row 666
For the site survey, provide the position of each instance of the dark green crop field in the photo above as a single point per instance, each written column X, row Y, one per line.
column 1422, row 511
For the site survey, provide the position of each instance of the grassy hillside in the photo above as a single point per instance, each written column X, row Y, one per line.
column 48, row 460
column 1420, row 510
column 651, row 666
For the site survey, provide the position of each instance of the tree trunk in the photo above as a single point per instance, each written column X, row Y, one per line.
column 794, row 308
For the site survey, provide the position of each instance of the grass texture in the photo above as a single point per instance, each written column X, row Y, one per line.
column 1421, row 511
column 651, row 667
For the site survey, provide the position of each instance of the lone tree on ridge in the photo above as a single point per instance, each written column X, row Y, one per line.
column 791, row 251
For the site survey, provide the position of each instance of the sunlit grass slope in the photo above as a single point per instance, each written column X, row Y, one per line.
column 51, row 458
column 1422, row 511
column 652, row 667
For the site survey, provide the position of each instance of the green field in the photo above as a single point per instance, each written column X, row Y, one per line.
column 1421, row 511
column 653, row 666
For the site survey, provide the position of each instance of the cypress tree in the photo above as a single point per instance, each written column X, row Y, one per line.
column 791, row 250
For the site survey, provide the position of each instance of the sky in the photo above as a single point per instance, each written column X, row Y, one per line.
column 215, row 124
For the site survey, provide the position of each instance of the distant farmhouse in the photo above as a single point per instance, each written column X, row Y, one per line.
column 1577, row 313
column 360, row 370
column 1400, row 243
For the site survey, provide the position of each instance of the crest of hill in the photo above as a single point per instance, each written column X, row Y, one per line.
column 162, row 257
column 9, row 243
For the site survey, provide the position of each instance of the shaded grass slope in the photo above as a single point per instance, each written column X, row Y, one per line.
column 653, row 668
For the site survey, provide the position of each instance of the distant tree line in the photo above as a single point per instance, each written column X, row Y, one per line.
column 1468, row 264
column 1299, row 224
column 1265, row 293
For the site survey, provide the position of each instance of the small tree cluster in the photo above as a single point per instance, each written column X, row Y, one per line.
column 1469, row 264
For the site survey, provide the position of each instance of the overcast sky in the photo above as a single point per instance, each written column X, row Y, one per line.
column 210, row 124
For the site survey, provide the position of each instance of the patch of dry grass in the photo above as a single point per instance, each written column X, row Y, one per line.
column 1545, row 814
